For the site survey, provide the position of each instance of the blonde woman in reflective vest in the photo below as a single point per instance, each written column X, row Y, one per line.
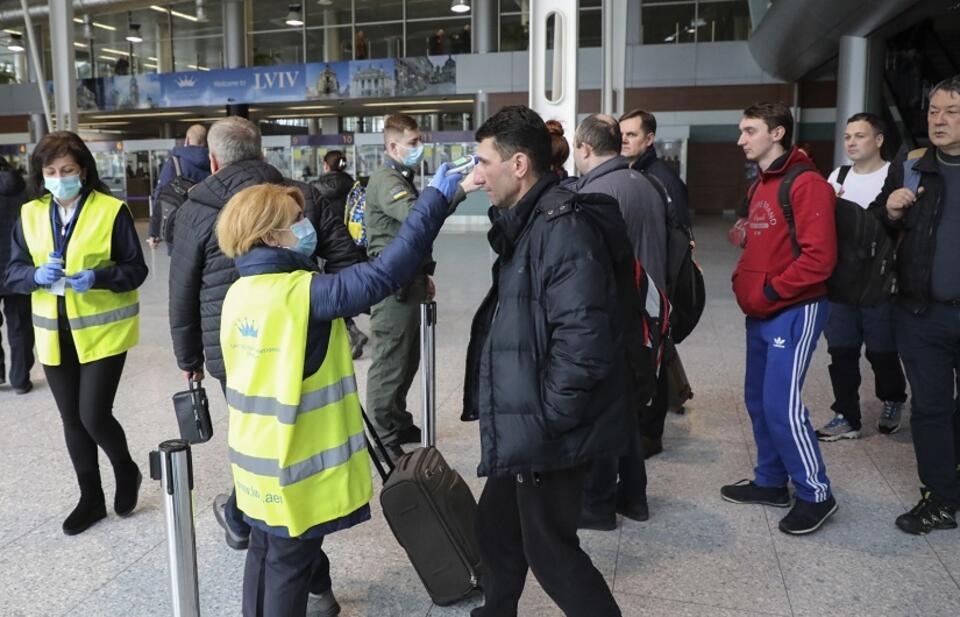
column 76, row 252
column 296, row 436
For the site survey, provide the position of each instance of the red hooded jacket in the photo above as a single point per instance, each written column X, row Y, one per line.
column 768, row 279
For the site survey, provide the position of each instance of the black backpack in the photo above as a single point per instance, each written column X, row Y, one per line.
column 865, row 273
column 685, row 286
column 170, row 198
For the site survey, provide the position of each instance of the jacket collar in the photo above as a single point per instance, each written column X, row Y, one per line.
column 508, row 225
column 615, row 164
column 273, row 260
column 217, row 189
column 645, row 160
column 791, row 158
column 928, row 162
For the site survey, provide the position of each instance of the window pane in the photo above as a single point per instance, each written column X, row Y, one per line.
column 381, row 41
column 438, row 37
column 591, row 28
column 329, row 44
column 667, row 24
column 514, row 32
column 330, row 13
column 270, row 15
column 379, row 10
column 724, row 21
column 277, row 48
column 429, row 8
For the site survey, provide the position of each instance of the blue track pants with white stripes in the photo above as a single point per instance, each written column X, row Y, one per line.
column 778, row 354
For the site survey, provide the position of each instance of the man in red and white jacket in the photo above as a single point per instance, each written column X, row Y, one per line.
column 780, row 283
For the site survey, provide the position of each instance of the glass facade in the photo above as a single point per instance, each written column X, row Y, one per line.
column 176, row 38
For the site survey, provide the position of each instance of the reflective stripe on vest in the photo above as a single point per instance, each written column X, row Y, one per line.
column 103, row 323
column 297, row 445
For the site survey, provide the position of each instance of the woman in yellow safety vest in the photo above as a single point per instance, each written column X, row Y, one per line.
column 296, row 436
column 77, row 253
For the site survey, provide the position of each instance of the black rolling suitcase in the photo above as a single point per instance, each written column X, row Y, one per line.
column 428, row 506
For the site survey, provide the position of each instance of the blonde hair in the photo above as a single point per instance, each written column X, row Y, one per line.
column 255, row 212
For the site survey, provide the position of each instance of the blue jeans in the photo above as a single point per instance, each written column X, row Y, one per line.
column 849, row 328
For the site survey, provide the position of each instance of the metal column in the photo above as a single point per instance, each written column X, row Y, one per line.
column 614, row 52
column 234, row 45
column 561, row 103
column 852, row 79
column 64, row 65
column 484, row 26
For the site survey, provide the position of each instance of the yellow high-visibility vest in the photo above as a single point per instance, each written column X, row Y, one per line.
column 103, row 323
column 297, row 445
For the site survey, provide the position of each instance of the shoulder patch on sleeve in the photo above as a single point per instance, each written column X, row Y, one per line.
column 396, row 196
column 916, row 154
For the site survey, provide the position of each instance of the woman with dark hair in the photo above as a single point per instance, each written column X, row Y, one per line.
column 76, row 252
column 559, row 149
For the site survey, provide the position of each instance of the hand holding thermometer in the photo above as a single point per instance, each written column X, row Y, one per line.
column 462, row 165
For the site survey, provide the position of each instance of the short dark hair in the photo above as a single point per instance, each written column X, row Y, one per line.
column 950, row 84
column 774, row 114
column 601, row 133
column 879, row 126
column 647, row 120
column 64, row 143
column 335, row 160
column 398, row 123
column 517, row 128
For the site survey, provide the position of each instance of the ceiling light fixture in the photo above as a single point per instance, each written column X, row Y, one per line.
column 295, row 16
column 109, row 50
column 160, row 9
column 97, row 24
column 201, row 12
column 15, row 44
column 133, row 35
column 460, row 6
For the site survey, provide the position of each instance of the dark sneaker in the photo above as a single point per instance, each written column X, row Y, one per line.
column 234, row 540
column 889, row 421
column 807, row 516
column 24, row 388
column 595, row 520
column 322, row 605
column 410, row 434
column 635, row 512
column 746, row 492
column 927, row 515
column 837, row 429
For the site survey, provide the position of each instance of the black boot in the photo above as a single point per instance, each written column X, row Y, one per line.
column 91, row 508
column 128, row 488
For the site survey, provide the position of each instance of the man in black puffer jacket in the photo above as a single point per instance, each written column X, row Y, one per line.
column 200, row 274
column 547, row 373
column 16, row 307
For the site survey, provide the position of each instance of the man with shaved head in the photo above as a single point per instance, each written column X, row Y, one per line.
column 192, row 161
column 596, row 153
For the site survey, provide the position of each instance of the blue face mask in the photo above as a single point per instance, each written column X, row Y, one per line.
column 414, row 156
column 64, row 188
column 306, row 237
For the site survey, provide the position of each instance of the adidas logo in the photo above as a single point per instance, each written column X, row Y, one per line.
column 247, row 328
column 187, row 82
column 780, row 342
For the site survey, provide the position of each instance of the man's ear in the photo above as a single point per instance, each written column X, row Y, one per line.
column 214, row 164
column 777, row 133
column 521, row 164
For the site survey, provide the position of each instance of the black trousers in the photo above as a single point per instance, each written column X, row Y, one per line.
column 280, row 573
column 603, row 492
column 530, row 521
column 16, row 309
column 84, row 394
column 929, row 345
column 654, row 415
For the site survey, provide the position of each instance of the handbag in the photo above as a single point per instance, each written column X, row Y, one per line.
column 193, row 413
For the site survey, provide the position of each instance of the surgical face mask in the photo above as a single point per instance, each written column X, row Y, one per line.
column 63, row 188
column 306, row 237
column 414, row 156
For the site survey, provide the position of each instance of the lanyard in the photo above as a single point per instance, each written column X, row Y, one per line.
column 61, row 234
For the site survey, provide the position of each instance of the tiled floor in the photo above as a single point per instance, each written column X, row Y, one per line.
column 696, row 556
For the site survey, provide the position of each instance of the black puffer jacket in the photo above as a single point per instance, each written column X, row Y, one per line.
column 334, row 188
column 546, row 367
column 200, row 274
column 12, row 196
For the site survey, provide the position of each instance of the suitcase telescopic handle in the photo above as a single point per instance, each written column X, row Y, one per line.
column 428, row 376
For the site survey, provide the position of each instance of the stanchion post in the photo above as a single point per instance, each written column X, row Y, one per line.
column 172, row 464
column 428, row 375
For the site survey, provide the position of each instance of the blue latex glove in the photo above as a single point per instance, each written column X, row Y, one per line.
column 48, row 274
column 81, row 281
column 444, row 183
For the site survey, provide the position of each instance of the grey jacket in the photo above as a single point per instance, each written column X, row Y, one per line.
column 642, row 209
